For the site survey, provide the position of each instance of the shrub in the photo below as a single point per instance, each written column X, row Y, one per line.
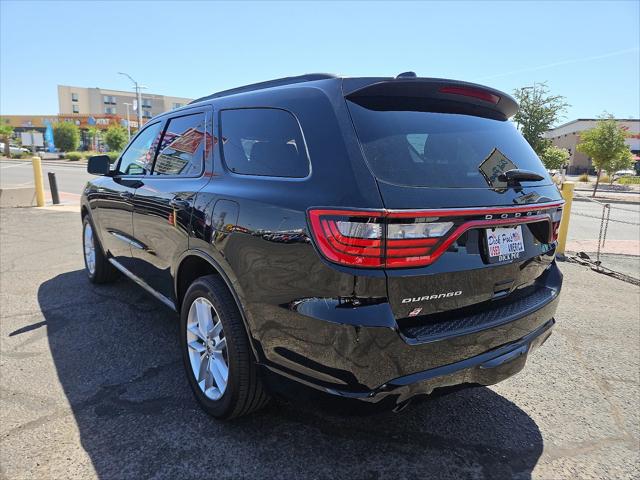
column 113, row 156
column 604, row 178
column 629, row 181
column 116, row 138
column 66, row 136
column 584, row 178
column 74, row 156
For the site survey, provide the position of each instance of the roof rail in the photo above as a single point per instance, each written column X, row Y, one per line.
column 309, row 77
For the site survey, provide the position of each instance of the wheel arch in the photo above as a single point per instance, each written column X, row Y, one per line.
column 193, row 264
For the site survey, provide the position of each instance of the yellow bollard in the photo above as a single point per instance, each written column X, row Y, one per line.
column 567, row 194
column 37, row 178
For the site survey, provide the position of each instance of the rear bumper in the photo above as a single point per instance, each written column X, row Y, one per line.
column 485, row 369
column 367, row 360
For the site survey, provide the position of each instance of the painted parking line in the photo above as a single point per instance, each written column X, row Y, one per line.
column 17, row 185
column 16, row 165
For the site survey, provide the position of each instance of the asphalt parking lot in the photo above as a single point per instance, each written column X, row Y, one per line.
column 92, row 387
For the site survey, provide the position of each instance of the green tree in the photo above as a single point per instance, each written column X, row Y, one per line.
column 538, row 112
column 605, row 145
column 66, row 136
column 554, row 157
column 116, row 138
column 5, row 134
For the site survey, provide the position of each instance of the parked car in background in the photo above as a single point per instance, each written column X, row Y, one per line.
column 368, row 240
column 13, row 149
column 624, row 173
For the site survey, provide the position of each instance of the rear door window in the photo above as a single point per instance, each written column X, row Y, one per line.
column 182, row 148
column 263, row 141
column 428, row 149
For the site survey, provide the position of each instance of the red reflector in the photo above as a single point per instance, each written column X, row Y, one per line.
column 471, row 92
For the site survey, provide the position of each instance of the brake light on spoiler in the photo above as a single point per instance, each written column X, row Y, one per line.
column 470, row 92
column 413, row 238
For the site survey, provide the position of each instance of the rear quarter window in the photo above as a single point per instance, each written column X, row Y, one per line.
column 263, row 141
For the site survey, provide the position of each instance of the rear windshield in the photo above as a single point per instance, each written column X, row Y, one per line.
column 426, row 149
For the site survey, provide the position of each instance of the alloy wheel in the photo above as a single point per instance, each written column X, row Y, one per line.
column 89, row 248
column 207, row 348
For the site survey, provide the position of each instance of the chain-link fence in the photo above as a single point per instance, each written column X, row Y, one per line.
column 616, row 250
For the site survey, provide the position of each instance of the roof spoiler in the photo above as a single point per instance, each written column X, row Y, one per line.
column 430, row 94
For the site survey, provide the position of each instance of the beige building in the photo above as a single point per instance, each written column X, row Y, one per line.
column 100, row 101
column 568, row 136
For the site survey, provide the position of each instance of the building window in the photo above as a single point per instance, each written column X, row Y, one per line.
column 109, row 100
column 74, row 97
column 76, row 109
column 146, row 113
column 110, row 110
column 146, row 103
column 177, row 105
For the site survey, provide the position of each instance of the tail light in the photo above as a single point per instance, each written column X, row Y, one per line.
column 411, row 244
column 349, row 238
column 556, row 217
column 375, row 238
column 400, row 239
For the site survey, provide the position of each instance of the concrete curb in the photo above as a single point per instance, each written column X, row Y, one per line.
column 614, row 191
column 577, row 198
column 49, row 161
column 61, row 208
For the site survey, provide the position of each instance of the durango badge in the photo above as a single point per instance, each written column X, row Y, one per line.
column 432, row 297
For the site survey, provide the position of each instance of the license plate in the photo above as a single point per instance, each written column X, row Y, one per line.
column 504, row 243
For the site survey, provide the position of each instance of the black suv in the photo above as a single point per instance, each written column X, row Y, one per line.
column 369, row 239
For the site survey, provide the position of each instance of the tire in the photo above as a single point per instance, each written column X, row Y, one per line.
column 243, row 391
column 99, row 270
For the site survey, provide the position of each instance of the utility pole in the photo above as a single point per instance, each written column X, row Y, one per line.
column 138, row 89
column 128, row 122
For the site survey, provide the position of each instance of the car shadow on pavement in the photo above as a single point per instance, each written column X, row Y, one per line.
column 116, row 354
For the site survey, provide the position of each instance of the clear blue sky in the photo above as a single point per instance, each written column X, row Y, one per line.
column 586, row 51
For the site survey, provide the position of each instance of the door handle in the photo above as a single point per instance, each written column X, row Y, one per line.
column 179, row 203
column 126, row 195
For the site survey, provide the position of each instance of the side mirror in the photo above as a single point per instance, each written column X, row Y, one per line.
column 99, row 165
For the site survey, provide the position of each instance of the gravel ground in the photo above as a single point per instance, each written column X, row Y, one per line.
column 92, row 387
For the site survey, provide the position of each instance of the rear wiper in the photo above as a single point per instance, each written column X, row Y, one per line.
column 516, row 175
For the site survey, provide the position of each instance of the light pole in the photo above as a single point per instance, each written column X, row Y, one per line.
column 128, row 122
column 138, row 87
